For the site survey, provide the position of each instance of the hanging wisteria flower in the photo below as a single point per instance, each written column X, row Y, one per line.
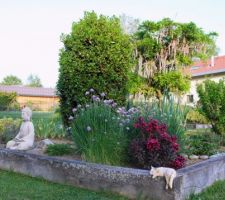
column 92, row 90
column 88, row 128
column 74, row 110
column 71, row 118
column 87, row 93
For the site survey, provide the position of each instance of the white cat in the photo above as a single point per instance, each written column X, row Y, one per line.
column 169, row 174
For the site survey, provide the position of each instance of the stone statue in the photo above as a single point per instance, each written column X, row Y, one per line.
column 24, row 140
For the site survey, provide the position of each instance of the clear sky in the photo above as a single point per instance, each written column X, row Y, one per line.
column 30, row 29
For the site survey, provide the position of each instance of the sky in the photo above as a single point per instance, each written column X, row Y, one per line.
column 30, row 29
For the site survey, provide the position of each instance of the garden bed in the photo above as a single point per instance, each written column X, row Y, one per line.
column 130, row 182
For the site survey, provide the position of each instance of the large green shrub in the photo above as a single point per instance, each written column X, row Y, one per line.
column 96, row 54
column 212, row 102
column 7, row 99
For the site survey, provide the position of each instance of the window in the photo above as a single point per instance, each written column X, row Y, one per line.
column 190, row 98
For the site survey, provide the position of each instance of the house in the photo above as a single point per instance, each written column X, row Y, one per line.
column 38, row 98
column 213, row 69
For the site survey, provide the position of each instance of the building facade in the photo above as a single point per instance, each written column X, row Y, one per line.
column 43, row 99
column 213, row 69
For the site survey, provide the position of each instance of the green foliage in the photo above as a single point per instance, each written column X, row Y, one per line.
column 194, row 116
column 46, row 124
column 59, row 149
column 169, row 112
column 179, row 41
column 96, row 54
column 166, row 46
column 9, row 128
column 11, row 80
column 7, row 99
column 34, row 81
column 49, row 127
column 98, row 136
column 212, row 102
column 172, row 81
column 205, row 143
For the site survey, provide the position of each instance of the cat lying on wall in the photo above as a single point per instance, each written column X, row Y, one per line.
column 168, row 173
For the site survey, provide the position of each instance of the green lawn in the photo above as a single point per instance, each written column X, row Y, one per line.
column 19, row 187
column 215, row 192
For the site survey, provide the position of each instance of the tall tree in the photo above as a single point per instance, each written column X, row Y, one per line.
column 166, row 46
column 34, row 81
column 96, row 54
column 11, row 80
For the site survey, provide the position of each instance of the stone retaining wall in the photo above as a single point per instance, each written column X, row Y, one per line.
column 132, row 183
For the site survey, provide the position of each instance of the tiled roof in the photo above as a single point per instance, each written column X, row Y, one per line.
column 204, row 68
column 29, row 91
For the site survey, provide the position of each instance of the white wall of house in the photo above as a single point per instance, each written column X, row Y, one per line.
column 193, row 89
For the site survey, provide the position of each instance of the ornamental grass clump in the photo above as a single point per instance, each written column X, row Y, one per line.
column 153, row 146
column 169, row 112
column 97, row 131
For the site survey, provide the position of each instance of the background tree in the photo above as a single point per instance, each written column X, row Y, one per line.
column 96, row 54
column 11, row 80
column 166, row 46
column 129, row 24
column 212, row 104
column 34, row 81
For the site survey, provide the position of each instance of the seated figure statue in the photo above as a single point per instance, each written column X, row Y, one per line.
column 24, row 140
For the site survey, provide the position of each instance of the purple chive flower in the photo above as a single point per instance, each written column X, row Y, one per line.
column 91, row 90
column 102, row 94
column 88, row 128
column 74, row 110
column 114, row 105
column 95, row 98
column 71, row 118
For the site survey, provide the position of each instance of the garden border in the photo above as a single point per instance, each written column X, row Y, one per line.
column 129, row 182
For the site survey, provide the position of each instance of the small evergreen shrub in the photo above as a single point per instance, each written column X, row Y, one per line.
column 7, row 99
column 59, row 150
column 194, row 116
column 96, row 54
column 203, row 143
column 154, row 146
column 212, row 104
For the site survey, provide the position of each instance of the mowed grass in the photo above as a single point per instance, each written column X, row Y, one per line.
column 215, row 192
column 15, row 186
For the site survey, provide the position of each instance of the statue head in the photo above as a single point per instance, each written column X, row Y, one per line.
column 26, row 114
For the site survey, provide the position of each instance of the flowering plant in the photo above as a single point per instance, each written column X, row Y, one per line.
column 154, row 146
